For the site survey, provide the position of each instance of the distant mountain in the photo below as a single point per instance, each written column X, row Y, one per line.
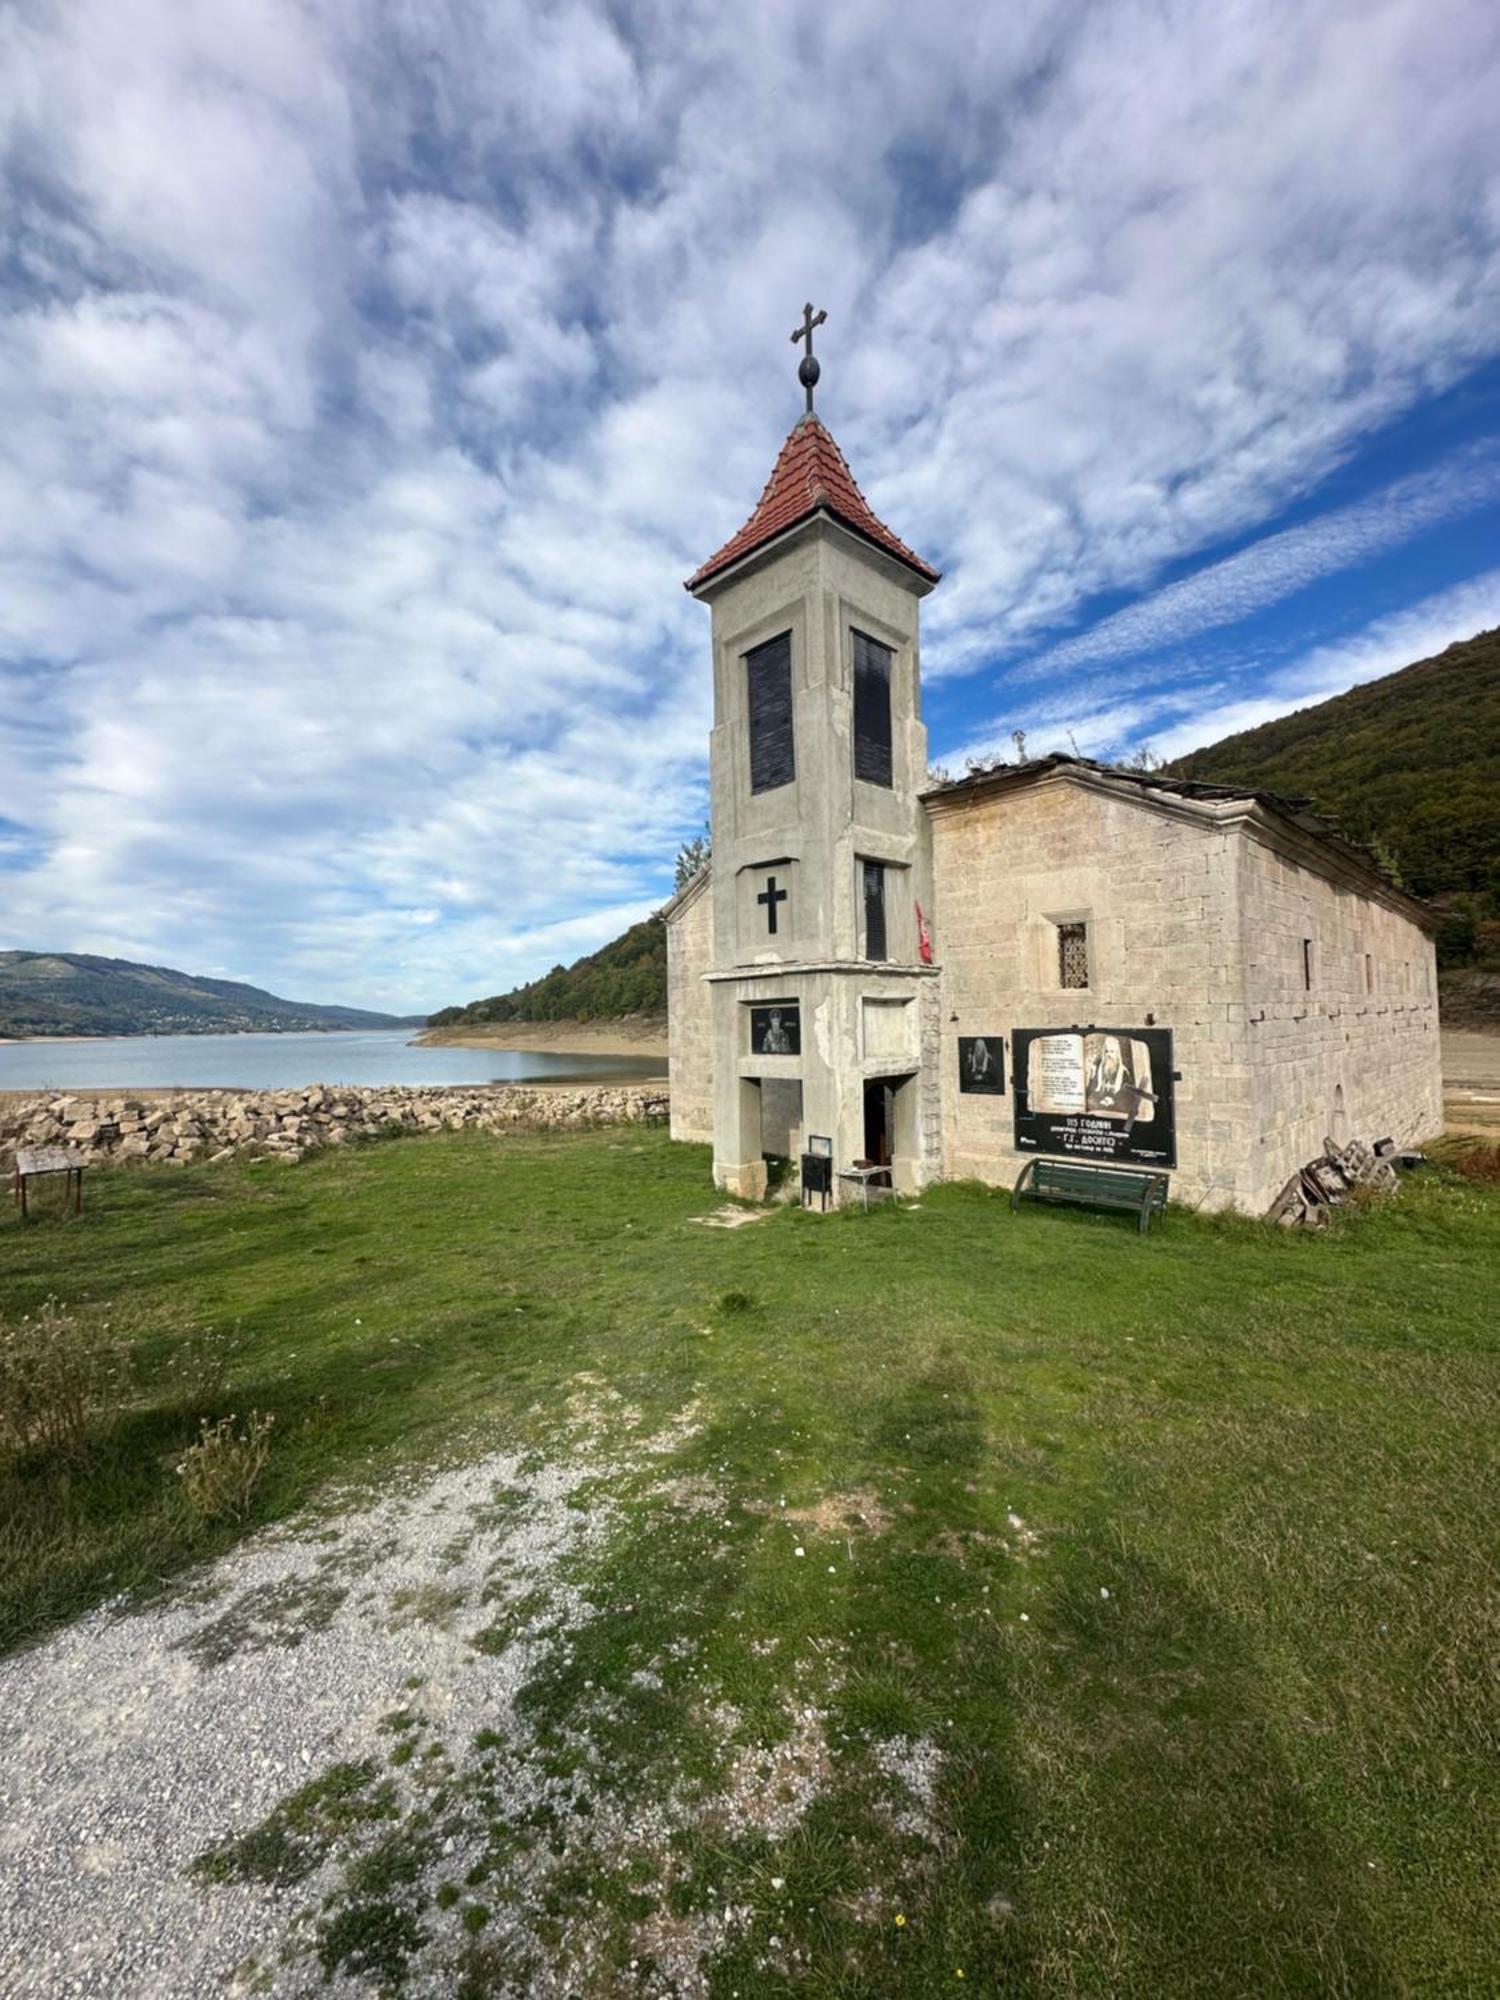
column 626, row 977
column 1410, row 765
column 73, row 993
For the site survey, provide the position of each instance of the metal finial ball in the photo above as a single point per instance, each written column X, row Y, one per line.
column 808, row 371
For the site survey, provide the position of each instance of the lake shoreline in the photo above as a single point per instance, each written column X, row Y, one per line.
column 633, row 1036
column 147, row 1066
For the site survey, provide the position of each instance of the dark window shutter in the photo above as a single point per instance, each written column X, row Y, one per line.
column 772, row 757
column 874, row 910
column 872, row 710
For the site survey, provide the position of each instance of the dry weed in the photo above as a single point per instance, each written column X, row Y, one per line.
column 53, row 1378
column 219, row 1472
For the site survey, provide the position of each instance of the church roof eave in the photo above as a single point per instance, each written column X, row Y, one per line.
column 704, row 586
column 687, row 895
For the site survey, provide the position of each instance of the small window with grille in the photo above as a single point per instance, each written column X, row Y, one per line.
column 1072, row 954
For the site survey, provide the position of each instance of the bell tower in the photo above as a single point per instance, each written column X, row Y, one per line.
column 822, row 981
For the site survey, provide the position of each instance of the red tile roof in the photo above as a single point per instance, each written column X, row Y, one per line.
column 811, row 476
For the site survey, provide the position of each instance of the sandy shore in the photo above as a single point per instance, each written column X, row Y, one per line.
column 1471, row 1082
column 634, row 1037
column 15, row 1041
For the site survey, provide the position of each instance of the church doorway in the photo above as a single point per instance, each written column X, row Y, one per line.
column 887, row 1137
column 880, row 1122
column 891, row 1139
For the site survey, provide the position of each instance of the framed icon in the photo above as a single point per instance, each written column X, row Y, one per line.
column 981, row 1065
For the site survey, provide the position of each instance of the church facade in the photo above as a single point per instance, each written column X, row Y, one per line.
column 1056, row 958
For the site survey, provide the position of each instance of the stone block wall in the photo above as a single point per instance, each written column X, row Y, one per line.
column 1342, row 1013
column 690, row 954
column 1196, row 919
column 1157, row 891
column 289, row 1124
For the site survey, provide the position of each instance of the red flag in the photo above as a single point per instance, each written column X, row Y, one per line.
column 924, row 938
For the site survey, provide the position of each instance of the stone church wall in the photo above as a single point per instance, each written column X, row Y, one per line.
column 690, row 953
column 1157, row 892
column 1194, row 927
column 1342, row 1009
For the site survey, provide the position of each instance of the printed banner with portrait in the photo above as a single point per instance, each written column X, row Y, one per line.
column 981, row 1065
column 1095, row 1094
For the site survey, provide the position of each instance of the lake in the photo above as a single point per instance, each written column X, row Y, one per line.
column 283, row 1062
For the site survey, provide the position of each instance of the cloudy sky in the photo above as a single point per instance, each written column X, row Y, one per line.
column 373, row 371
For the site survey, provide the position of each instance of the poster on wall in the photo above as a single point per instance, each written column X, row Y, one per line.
column 981, row 1065
column 1095, row 1094
column 777, row 1030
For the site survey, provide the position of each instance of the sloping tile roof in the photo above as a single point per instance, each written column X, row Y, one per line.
column 811, row 476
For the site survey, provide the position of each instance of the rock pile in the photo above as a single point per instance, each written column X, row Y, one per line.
column 289, row 1124
column 1324, row 1183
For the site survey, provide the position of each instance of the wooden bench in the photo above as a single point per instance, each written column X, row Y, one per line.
column 1141, row 1195
column 34, row 1161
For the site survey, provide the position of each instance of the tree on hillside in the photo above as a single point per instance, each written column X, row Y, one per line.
column 691, row 856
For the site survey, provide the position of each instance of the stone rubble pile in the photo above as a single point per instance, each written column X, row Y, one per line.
column 1321, row 1185
column 290, row 1124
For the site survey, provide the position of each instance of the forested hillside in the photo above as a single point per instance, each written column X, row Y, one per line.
column 626, row 977
column 1410, row 765
column 75, row 993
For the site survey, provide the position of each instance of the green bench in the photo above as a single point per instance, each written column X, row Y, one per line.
column 1142, row 1195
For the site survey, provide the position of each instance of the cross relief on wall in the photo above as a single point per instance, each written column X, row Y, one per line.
column 770, row 899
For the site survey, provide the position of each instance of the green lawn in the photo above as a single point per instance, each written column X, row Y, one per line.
column 1218, row 1716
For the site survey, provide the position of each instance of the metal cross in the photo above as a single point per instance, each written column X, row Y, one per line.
column 808, row 370
column 771, row 896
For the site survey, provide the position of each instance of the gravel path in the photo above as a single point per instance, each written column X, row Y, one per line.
column 131, row 1743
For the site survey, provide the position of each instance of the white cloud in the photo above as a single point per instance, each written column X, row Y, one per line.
column 1281, row 564
column 1170, row 723
column 373, row 375
column 1381, row 648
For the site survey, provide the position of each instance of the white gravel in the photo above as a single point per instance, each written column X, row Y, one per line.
column 128, row 1747
column 138, row 1739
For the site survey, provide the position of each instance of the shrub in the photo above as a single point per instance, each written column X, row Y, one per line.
column 219, row 1472
column 53, row 1377
column 1476, row 1158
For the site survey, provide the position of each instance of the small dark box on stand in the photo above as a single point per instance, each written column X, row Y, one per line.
column 817, row 1169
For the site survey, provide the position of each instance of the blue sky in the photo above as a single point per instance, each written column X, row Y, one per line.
column 372, row 374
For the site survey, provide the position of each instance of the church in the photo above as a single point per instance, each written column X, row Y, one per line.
column 920, row 979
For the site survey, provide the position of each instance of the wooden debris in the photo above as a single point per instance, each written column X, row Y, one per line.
column 1324, row 1184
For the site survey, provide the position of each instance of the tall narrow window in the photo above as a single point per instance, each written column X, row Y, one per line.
column 874, row 874
column 1072, row 954
column 1307, row 964
column 769, row 682
column 1369, row 973
column 872, row 710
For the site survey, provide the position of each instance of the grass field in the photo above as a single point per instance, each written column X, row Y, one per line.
column 1168, row 1565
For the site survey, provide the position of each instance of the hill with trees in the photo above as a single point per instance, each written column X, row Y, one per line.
column 628, row 976
column 74, row 993
column 1410, row 766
